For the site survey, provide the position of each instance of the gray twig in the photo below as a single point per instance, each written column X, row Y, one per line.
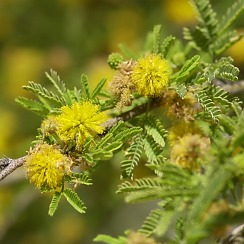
column 9, row 165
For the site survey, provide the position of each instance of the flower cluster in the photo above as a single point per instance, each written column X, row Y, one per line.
column 122, row 85
column 46, row 166
column 180, row 129
column 176, row 107
column 189, row 150
column 79, row 122
column 151, row 75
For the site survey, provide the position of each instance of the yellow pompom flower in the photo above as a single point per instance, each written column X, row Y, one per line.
column 180, row 129
column 151, row 75
column 80, row 121
column 189, row 150
column 46, row 166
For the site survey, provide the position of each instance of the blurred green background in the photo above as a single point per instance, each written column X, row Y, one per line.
column 72, row 37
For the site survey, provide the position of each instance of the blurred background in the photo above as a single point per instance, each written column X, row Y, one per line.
column 72, row 37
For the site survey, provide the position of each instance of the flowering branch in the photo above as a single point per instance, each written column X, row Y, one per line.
column 8, row 165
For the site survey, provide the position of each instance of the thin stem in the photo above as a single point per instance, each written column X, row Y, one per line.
column 10, row 166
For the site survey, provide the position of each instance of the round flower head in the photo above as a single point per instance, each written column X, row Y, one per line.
column 176, row 107
column 46, row 166
column 179, row 130
column 80, row 121
column 151, row 75
column 189, row 150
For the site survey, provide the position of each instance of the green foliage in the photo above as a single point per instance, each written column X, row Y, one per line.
column 231, row 15
column 157, row 222
column 50, row 102
column 155, row 129
column 208, row 104
column 192, row 168
column 110, row 240
column 54, row 203
column 187, row 69
column 74, row 200
column 210, row 35
column 132, row 155
column 32, row 105
column 206, row 17
column 58, row 84
column 166, row 45
column 156, row 38
column 80, row 178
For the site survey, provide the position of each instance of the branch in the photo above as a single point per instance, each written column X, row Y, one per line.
column 9, row 165
column 130, row 114
column 236, row 236
column 232, row 88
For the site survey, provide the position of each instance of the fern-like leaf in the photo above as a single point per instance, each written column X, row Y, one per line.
column 215, row 184
column 231, row 15
column 98, row 88
column 187, row 69
column 152, row 149
column 155, row 129
column 220, row 95
column 156, row 38
column 208, row 104
column 206, row 16
column 33, row 105
column 56, row 81
column 74, row 200
column 198, row 38
column 157, row 193
column 105, row 140
column 54, row 203
column 228, row 72
column 111, row 240
column 166, row 45
column 80, row 178
column 139, row 185
column 181, row 89
column 85, row 87
column 222, row 42
column 43, row 92
column 157, row 222
column 128, row 133
column 133, row 155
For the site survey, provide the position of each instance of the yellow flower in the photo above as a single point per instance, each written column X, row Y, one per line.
column 46, row 166
column 180, row 129
column 151, row 75
column 176, row 107
column 80, row 121
column 189, row 150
